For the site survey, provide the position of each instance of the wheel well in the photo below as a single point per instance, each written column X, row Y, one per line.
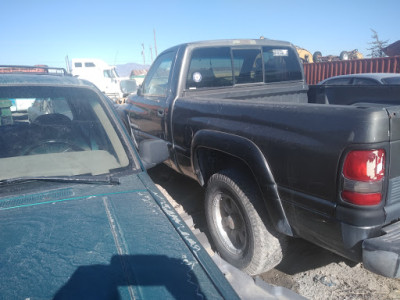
column 211, row 161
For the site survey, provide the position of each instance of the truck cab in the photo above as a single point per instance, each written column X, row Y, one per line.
column 104, row 76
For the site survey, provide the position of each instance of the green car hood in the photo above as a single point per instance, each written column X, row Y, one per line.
column 102, row 242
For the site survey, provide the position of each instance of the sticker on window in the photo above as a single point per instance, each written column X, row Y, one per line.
column 280, row 52
column 197, row 77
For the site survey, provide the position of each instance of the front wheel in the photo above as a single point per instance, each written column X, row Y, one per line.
column 238, row 225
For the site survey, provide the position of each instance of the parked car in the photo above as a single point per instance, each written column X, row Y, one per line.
column 363, row 79
column 79, row 216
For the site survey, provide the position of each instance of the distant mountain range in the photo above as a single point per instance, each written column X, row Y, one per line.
column 126, row 69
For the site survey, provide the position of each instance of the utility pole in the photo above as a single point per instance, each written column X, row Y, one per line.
column 144, row 58
column 151, row 52
column 155, row 42
column 68, row 64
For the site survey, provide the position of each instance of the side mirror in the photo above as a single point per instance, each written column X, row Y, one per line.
column 153, row 152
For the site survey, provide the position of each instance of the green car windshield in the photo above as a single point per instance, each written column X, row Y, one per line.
column 56, row 131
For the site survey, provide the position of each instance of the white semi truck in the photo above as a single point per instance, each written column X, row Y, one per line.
column 105, row 77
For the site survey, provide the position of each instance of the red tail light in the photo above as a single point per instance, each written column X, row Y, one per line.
column 362, row 198
column 363, row 173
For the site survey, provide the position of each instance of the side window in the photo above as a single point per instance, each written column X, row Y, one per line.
column 247, row 65
column 107, row 74
column 90, row 65
column 281, row 64
column 156, row 83
column 364, row 81
column 391, row 80
column 338, row 81
column 210, row 67
column 78, row 65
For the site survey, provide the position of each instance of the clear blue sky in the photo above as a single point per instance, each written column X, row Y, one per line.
column 45, row 32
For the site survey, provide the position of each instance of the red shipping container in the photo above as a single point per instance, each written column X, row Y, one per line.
column 316, row 72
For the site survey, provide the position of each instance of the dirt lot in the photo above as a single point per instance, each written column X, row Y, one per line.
column 308, row 270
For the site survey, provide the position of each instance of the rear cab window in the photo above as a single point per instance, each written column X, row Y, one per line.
column 212, row 67
column 281, row 64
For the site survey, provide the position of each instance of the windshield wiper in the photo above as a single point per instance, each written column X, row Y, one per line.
column 67, row 179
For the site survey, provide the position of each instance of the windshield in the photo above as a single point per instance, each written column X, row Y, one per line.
column 56, row 131
column 115, row 73
column 391, row 80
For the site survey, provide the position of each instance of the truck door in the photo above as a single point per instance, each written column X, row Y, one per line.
column 147, row 111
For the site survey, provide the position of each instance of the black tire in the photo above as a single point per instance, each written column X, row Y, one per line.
column 317, row 56
column 237, row 222
column 344, row 55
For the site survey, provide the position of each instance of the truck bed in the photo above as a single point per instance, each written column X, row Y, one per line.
column 354, row 94
column 304, row 145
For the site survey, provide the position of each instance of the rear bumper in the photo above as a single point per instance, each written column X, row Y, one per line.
column 381, row 255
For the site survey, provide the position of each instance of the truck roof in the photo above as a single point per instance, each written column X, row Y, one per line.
column 240, row 42
column 96, row 61
column 233, row 42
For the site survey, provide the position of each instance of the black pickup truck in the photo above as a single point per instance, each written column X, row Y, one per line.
column 278, row 159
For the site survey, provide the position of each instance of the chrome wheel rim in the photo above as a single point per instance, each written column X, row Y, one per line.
column 230, row 224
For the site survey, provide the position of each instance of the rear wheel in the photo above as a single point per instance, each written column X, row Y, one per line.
column 317, row 56
column 238, row 225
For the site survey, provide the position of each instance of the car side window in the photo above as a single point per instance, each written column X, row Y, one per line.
column 364, row 81
column 156, row 82
column 391, row 80
column 338, row 81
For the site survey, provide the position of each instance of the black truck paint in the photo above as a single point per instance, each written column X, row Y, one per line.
column 284, row 140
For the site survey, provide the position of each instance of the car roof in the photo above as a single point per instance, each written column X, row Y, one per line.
column 20, row 79
column 376, row 76
column 22, row 75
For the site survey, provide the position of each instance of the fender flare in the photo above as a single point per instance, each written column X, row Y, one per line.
column 248, row 152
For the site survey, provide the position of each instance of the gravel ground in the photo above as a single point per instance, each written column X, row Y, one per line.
column 308, row 270
column 316, row 273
